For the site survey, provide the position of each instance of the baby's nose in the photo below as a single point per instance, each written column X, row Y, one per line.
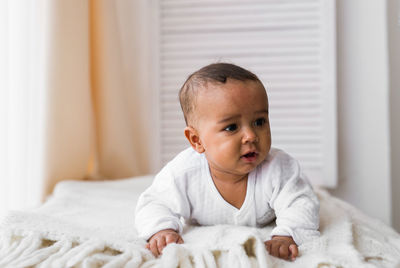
column 249, row 136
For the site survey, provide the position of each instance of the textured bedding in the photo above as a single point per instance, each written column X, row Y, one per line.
column 90, row 224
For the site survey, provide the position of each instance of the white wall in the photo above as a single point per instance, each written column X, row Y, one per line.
column 363, row 101
column 394, row 61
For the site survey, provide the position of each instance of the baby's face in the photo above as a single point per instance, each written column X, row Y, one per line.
column 233, row 126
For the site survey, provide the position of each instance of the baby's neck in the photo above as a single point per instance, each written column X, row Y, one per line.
column 232, row 188
column 228, row 179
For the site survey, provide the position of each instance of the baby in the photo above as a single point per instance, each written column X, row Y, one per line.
column 230, row 174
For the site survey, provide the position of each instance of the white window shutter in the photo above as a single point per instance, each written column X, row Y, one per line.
column 289, row 45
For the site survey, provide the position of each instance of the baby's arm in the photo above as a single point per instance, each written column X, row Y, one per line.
column 295, row 204
column 159, row 211
column 297, row 211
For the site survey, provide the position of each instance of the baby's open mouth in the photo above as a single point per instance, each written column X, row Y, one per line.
column 250, row 155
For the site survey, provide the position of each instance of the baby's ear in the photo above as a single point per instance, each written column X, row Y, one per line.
column 193, row 137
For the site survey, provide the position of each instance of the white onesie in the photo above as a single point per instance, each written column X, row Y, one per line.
column 275, row 188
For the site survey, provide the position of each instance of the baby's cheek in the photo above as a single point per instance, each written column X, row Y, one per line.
column 228, row 149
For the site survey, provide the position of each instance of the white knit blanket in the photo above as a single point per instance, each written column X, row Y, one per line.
column 90, row 224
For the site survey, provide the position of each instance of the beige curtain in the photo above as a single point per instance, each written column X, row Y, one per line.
column 96, row 78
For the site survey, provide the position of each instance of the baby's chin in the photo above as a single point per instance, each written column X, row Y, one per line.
column 249, row 167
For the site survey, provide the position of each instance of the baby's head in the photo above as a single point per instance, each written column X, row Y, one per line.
column 226, row 113
column 216, row 73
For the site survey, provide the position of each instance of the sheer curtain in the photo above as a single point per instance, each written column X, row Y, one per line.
column 21, row 106
column 72, row 86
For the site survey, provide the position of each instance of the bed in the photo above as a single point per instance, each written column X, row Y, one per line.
column 90, row 224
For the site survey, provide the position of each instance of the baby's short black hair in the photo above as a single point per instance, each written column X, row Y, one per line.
column 213, row 73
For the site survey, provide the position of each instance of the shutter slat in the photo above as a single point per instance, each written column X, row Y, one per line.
column 205, row 8
column 265, row 60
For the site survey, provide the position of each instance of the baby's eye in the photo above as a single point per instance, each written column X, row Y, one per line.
column 259, row 122
column 231, row 128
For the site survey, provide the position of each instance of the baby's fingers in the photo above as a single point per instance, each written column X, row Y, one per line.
column 268, row 246
column 275, row 249
column 294, row 251
column 153, row 247
column 161, row 244
column 284, row 252
column 171, row 238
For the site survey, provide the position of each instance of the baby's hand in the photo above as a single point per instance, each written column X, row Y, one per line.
column 282, row 247
column 162, row 238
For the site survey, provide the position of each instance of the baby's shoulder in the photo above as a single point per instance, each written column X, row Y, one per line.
column 277, row 168
column 278, row 157
column 277, row 161
column 186, row 163
column 187, row 159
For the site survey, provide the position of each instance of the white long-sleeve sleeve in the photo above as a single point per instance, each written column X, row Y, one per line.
column 295, row 204
column 161, row 206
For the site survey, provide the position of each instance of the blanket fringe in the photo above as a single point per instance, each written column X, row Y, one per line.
column 249, row 254
column 35, row 250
